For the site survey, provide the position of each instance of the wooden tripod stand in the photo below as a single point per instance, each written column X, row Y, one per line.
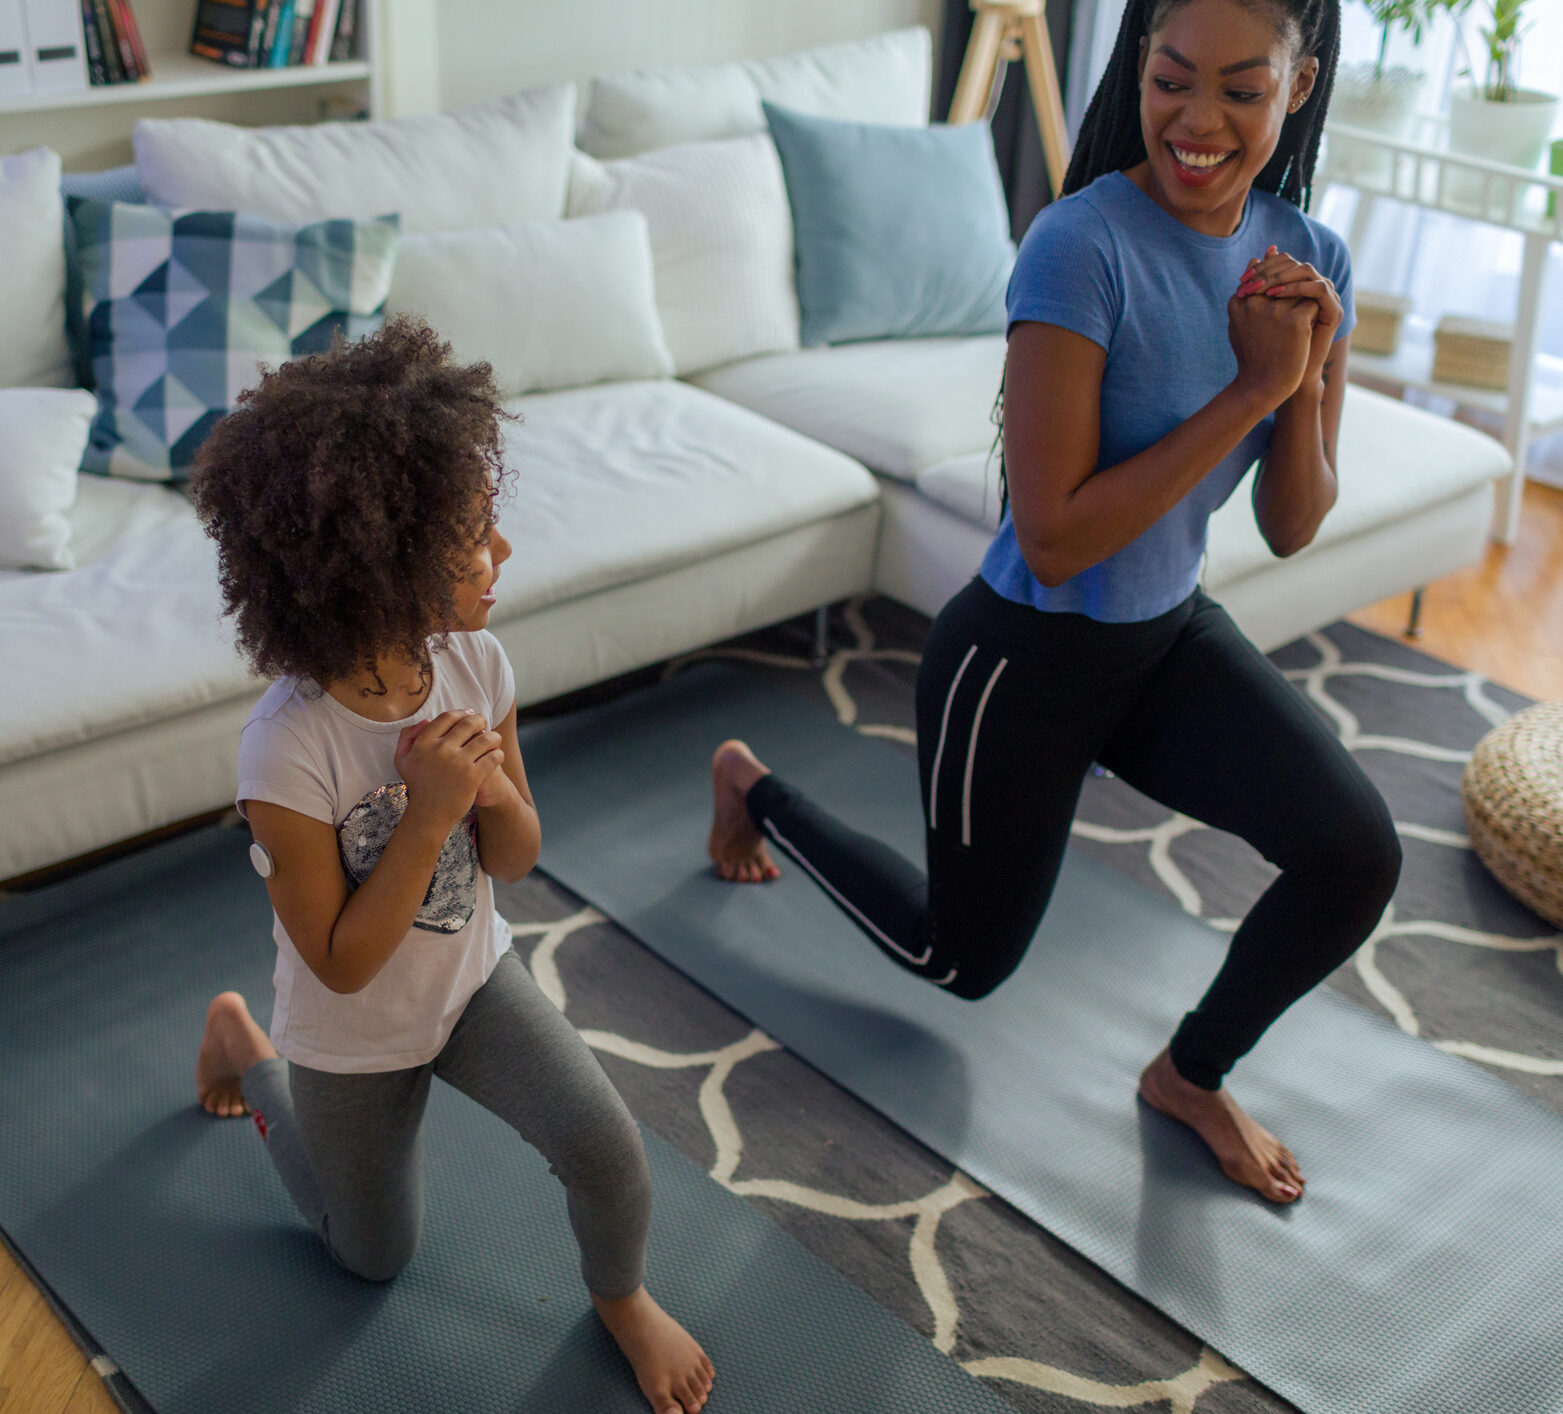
column 1013, row 29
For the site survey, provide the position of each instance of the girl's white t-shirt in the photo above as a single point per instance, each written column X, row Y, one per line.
column 302, row 749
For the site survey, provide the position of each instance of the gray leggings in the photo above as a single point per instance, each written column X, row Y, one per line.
column 350, row 1147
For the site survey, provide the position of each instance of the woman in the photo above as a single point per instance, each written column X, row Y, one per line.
column 1172, row 319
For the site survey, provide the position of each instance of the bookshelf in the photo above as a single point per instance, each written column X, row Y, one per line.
column 187, row 76
column 91, row 126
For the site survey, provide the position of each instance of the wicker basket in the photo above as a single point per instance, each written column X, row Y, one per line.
column 1379, row 317
column 1512, row 791
column 1472, row 351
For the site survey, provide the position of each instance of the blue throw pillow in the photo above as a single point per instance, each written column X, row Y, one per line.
column 900, row 232
column 182, row 308
column 116, row 184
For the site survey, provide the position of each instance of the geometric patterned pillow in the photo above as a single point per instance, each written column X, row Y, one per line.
column 183, row 307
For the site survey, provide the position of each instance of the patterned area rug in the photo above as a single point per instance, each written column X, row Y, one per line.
column 1455, row 960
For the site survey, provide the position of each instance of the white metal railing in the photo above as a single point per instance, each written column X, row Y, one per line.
column 1423, row 171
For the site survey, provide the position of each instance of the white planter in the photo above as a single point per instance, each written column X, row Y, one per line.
column 1513, row 133
column 1383, row 103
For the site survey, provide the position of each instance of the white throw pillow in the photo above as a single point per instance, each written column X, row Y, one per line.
column 33, row 351
column 884, row 79
column 550, row 304
column 487, row 165
column 721, row 241
column 43, row 432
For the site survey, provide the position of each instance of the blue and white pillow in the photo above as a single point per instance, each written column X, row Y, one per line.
column 182, row 308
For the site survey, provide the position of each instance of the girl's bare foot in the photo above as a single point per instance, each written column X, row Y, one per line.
column 735, row 846
column 673, row 1371
column 231, row 1044
column 1248, row 1153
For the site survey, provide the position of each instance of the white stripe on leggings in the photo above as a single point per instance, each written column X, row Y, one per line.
column 971, row 753
column 944, row 726
column 845, row 902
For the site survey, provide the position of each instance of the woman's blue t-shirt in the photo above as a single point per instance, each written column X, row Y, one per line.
column 1112, row 265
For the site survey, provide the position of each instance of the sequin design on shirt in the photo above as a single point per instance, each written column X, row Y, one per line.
column 453, row 891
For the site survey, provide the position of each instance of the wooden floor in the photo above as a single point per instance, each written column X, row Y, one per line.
column 42, row 1370
column 1503, row 618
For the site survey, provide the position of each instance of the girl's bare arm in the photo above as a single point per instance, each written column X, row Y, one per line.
column 345, row 937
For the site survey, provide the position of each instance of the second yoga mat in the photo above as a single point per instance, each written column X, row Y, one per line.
column 1420, row 1271
column 170, row 1240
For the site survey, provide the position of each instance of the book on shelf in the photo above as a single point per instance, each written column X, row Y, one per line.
column 137, row 43
column 119, row 19
column 273, row 34
column 228, row 31
column 97, row 21
column 303, row 16
column 115, row 53
column 347, row 22
column 320, row 50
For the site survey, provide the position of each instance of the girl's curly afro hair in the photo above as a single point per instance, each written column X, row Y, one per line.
column 345, row 493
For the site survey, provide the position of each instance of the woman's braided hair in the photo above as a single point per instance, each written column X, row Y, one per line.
column 1110, row 136
column 1112, row 140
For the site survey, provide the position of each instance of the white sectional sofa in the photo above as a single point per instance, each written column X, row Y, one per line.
column 654, row 516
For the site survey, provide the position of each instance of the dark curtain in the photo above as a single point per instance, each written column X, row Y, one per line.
column 1015, row 139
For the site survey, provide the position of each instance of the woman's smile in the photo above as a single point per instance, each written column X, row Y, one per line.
column 1197, row 166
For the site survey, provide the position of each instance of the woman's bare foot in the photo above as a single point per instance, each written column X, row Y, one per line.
column 673, row 1371
column 1248, row 1153
column 735, row 846
column 231, row 1044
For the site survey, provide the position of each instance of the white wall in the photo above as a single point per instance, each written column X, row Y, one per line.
column 490, row 47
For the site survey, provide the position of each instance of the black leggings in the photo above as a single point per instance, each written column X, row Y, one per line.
column 1013, row 706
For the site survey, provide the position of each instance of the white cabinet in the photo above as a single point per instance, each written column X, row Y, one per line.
column 1425, row 173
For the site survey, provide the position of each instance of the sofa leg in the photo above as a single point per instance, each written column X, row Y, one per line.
column 1414, row 623
column 821, row 635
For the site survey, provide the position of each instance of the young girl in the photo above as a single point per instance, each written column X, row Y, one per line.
column 1171, row 320
column 351, row 497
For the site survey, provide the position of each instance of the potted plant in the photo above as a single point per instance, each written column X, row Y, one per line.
column 1498, row 119
column 1383, row 96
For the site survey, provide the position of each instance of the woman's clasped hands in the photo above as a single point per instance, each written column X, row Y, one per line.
column 1281, row 321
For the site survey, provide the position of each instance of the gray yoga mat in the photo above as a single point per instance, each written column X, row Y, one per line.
column 168, row 1238
column 1419, row 1273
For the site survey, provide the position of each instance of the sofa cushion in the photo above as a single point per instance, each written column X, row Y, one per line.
column 721, row 243
column 132, row 635
column 616, row 484
column 548, row 304
column 488, row 165
column 895, row 406
column 901, row 232
column 967, row 485
column 183, row 308
column 33, row 350
column 43, row 432
column 883, row 79
column 1394, row 459
column 623, row 482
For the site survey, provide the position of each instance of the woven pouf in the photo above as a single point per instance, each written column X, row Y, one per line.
column 1512, row 790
